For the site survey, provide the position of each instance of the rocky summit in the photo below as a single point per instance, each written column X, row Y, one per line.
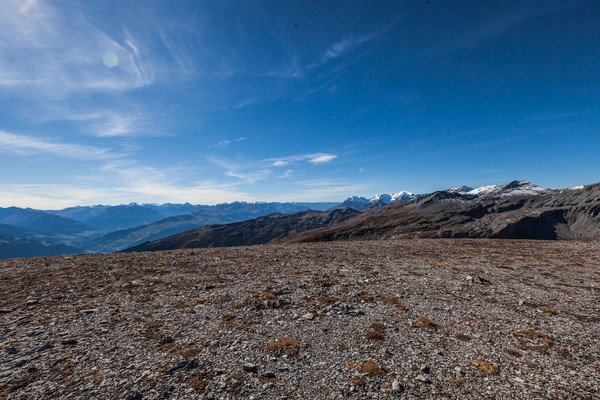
column 386, row 319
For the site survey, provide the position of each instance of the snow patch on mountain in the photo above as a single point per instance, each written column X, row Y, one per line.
column 515, row 188
column 463, row 189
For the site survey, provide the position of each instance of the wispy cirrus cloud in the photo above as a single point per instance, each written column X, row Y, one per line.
column 115, row 123
column 21, row 144
column 42, row 51
column 250, row 172
column 347, row 44
column 315, row 158
column 223, row 144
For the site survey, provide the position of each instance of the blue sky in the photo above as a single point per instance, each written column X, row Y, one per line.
column 215, row 101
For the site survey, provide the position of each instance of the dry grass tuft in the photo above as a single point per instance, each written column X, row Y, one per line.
column 549, row 310
column 153, row 329
column 512, row 352
column 374, row 335
column 486, row 367
column 428, row 323
column 189, row 353
column 197, row 384
column 370, row 368
column 378, row 332
column 285, row 345
column 329, row 300
column 464, row 338
column 359, row 381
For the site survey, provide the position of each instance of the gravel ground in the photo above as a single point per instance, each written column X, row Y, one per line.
column 410, row 319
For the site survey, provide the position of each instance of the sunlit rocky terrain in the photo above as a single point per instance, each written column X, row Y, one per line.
column 445, row 318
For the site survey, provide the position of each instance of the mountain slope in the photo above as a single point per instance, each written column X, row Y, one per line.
column 267, row 229
column 204, row 215
column 518, row 210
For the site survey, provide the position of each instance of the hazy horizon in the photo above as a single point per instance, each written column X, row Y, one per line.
column 213, row 102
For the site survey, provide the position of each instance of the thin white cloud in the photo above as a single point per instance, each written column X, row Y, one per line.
column 223, row 144
column 112, row 124
column 250, row 177
column 21, row 144
column 286, row 174
column 315, row 158
column 248, row 173
column 321, row 158
column 42, row 50
column 347, row 44
column 27, row 5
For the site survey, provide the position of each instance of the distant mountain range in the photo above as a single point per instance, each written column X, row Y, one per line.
column 203, row 215
column 103, row 228
column 518, row 210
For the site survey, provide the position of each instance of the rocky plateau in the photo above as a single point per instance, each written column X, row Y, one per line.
column 385, row 319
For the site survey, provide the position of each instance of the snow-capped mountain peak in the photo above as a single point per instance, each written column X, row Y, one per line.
column 402, row 196
column 381, row 198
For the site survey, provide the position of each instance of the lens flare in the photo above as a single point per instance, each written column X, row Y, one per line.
column 110, row 60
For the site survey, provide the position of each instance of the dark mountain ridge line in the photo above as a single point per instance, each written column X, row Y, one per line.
column 271, row 228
